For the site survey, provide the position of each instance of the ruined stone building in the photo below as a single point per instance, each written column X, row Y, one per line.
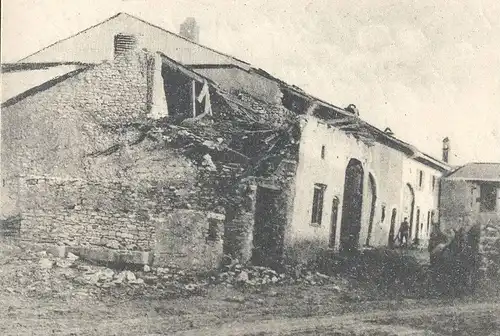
column 470, row 199
column 126, row 137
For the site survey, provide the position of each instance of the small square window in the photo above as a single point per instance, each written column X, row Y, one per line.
column 213, row 230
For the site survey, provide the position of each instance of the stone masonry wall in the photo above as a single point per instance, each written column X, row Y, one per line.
column 239, row 231
column 190, row 239
column 77, row 212
column 120, row 217
column 489, row 249
column 59, row 129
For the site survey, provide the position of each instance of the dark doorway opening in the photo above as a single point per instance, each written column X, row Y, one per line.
column 352, row 207
column 417, row 226
column 333, row 221
column 269, row 228
column 392, row 229
column 409, row 206
column 372, row 198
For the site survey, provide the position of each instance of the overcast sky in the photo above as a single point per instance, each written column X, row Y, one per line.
column 426, row 69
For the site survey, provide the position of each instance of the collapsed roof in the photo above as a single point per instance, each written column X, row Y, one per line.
column 204, row 64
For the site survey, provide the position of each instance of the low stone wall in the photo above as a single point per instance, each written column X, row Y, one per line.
column 105, row 219
column 10, row 227
column 239, row 236
column 190, row 239
column 77, row 212
column 489, row 249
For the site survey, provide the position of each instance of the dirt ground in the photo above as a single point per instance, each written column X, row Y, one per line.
column 51, row 301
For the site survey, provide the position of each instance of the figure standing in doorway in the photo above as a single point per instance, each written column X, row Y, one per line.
column 404, row 231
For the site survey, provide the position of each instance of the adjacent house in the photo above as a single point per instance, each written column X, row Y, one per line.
column 470, row 198
column 127, row 137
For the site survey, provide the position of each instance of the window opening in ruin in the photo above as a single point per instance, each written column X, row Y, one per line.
column 428, row 221
column 334, row 218
column 201, row 99
column 392, row 228
column 434, row 183
column 213, row 230
column 417, row 226
column 372, row 200
column 420, row 178
column 488, row 198
column 382, row 217
column 323, row 152
column 317, row 210
column 409, row 206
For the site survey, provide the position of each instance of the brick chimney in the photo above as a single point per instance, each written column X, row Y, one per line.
column 190, row 30
column 124, row 43
column 446, row 149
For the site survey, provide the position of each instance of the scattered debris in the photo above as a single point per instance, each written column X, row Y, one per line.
column 45, row 263
column 46, row 274
column 208, row 163
column 237, row 299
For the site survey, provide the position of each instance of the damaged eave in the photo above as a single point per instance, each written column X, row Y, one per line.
column 189, row 73
column 13, row 67
column 429, row 161
column 315, row 103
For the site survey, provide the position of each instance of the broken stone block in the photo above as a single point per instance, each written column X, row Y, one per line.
column 147, row 268
column 45, row 263
column 237, row 299
column 64, row 263
column 242, row 277
column 130, row 276
column 136, row 281
column 113, row 244
column 208, row 163
column 272, row 293
column 72, row 256
column 120, row 277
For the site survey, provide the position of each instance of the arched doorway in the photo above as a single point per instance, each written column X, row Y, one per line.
column 352, row 206
column 392, row 229
column 371, row 200
column 409, row 206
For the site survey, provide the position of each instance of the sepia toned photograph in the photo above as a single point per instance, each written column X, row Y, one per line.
column 227, row 167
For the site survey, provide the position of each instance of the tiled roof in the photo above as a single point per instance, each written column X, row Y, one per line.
column 478, row 171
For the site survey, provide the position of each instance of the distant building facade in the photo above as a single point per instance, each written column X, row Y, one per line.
column 470, row 199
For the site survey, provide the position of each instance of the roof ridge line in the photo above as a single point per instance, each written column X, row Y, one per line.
column 141, row 20
column 182, row 37
column 71, row 36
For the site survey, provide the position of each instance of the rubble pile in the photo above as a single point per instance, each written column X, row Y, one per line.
column 39, row 273
column 50, row 275
column 236, row 274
